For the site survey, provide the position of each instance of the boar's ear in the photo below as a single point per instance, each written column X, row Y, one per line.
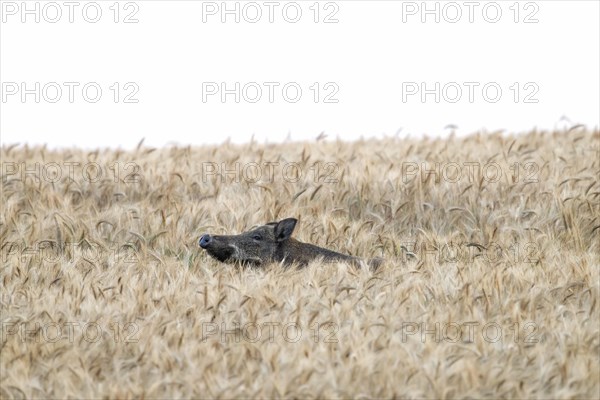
column 284, row 229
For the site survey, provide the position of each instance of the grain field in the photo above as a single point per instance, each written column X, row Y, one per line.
column 489, row 287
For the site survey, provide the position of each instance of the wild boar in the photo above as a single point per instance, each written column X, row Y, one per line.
column 270, row 243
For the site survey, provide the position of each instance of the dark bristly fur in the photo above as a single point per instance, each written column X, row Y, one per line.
column 272, row 243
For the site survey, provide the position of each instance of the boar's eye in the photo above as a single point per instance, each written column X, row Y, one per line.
column 256, row 236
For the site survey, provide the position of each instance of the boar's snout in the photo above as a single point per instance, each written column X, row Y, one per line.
column 205, row 240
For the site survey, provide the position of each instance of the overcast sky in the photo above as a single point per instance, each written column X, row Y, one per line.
column 110, row 73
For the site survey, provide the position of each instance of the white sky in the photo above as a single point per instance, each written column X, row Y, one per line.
column 374, row 61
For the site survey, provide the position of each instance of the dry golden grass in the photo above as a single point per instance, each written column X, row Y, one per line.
column 104, row 292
